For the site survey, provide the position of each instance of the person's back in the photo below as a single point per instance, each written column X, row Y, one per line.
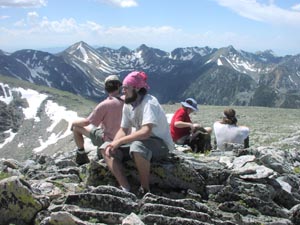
column 227, row 131
column 107, row 115
column 105, row 120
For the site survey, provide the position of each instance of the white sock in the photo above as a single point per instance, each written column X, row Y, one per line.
column 80, row 150
column 125, row 189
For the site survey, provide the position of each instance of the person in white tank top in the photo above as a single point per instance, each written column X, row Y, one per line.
column 228, row 131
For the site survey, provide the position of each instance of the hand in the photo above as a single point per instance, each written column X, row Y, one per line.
column 196, row 125
column 108, row 150
column 111, row 148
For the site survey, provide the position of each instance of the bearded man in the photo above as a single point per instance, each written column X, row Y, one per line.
column 151, row 139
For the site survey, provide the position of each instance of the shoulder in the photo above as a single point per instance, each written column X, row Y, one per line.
column 150, row 100
column 244, row 128
column 112, row 100
column 108, row 102
column 180, row 111
column 217, row 123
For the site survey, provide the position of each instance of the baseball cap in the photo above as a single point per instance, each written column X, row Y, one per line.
column 111, row 78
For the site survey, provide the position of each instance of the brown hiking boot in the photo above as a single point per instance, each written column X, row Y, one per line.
column 81, row 157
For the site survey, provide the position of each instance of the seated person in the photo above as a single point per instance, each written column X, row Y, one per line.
column 105, row 118
column 227, row 130
column 181, row 126
column 150, row 141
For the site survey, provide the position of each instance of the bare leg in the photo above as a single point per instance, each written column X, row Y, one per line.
column 115, row 166
column 78, row 133
column 143, row 167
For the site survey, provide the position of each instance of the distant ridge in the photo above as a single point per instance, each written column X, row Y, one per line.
column 215, row 76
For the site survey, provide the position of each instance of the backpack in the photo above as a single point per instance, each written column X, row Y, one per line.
column 200, row 141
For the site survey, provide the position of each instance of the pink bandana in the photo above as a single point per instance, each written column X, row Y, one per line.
column 136, row 79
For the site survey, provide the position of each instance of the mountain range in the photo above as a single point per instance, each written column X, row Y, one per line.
column 223, row 76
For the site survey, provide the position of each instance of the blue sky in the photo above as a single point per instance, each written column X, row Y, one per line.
column 250, row 25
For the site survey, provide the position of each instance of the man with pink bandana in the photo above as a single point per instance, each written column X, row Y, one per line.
column 150, row 141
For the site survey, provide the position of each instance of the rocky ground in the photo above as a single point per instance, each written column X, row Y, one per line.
column 259, row 185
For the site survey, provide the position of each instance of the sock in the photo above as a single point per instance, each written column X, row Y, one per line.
column 80, row 150
column 143, row 190
column 125, row 189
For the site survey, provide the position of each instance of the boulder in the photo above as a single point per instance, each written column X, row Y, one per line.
column 18, row 203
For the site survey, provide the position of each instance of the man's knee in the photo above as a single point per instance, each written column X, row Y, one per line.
column 81, row 130
column 101, row 151
column 208, row 129
column 76, row 129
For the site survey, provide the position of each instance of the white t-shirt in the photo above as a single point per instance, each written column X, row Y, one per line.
column 149, row 111
column 226, row 133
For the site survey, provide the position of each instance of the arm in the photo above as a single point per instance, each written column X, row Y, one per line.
column 122, row 138
column 121, row 133
column 181, row 124
column 141, row 134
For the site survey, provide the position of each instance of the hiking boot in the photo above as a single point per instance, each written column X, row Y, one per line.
column 81, row 157
column 142, row 192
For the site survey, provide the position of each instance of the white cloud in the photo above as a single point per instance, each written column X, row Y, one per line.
column 45, row 33
column 32, row 18
column 44, row 26
column 4, row 17
column 67, row 31
column 33, row 15
column 296, row 7
column 269, row 13
column 22, row 3
column 64, row 26
column 121, row 3
column 90, row 25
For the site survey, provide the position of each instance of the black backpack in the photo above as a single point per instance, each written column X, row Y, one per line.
column 200, row 141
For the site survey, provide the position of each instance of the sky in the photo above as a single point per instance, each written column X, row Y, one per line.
column 249, row 25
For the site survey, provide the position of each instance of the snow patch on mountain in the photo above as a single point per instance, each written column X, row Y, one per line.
column 34, row 100
column 54, row 112
column 5, row 93
column 10, row 138
column 220, row 62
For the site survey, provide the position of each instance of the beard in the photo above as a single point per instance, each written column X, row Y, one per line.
column 131, row 99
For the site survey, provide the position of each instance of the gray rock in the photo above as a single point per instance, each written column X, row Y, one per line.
column 102, row 202
column 18, row 203
column 63, row 218
column 295, row 214
column 132, row 219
